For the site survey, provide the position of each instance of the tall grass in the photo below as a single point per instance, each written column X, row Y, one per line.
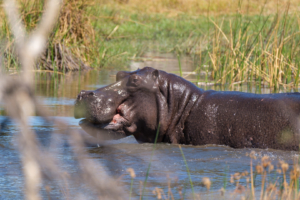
column 70, row 46
column 258, row 46
column 263, row 50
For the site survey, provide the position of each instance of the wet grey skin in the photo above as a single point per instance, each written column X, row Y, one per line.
column 141, row 100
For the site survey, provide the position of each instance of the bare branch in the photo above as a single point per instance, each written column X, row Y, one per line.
column 15, row 22
column 21, row 103
column 18, row 95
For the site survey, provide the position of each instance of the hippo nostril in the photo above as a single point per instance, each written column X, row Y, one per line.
column 82, row 92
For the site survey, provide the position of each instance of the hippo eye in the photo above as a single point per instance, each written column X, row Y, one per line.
column 134, row 80
column 91, row 94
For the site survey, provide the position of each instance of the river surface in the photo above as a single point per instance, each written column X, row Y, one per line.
column 57, row 93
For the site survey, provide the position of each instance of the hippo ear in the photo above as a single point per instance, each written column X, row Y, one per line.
column 155, row 74
column 121, row 75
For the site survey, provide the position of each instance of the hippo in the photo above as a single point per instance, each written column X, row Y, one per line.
column 156, row 106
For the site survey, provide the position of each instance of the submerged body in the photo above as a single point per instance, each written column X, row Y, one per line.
column 143, row 100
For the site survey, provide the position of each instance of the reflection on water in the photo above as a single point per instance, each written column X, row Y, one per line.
column 57, row 93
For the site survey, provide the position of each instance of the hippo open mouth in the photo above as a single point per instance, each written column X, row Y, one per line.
column 118, row 121
column 95, row 123
column 116, row 124
column 110, row 108
column 105, row 130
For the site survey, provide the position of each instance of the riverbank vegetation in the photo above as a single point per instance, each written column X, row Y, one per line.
column 232, row 42
column 70, row 44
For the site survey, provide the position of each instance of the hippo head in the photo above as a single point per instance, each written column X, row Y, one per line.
column 128, row 106
column 137, row 104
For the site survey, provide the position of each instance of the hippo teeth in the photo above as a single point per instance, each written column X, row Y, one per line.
column 112, row 126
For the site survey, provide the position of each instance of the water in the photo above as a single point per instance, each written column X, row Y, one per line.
column 57, row 93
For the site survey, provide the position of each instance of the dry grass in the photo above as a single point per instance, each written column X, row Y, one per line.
column 74, row 36
column 277, row 181
column 285, row 186
column 70, row 45
column 204, row 7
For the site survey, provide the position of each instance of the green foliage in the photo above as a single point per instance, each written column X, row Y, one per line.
column 237, row 48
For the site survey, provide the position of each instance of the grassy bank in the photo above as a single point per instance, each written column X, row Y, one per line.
column 233, row 42
column 241, row 45
column 70, row 44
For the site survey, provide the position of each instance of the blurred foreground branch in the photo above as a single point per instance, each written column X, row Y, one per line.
column 20, row 103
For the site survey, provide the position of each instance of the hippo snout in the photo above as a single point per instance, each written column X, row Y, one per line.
column 81, row 103
column 99, row 106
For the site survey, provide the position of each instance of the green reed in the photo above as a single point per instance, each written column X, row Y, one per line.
column 188, row 172
column 225, row 177
column 149, row 166
column 256, row 50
